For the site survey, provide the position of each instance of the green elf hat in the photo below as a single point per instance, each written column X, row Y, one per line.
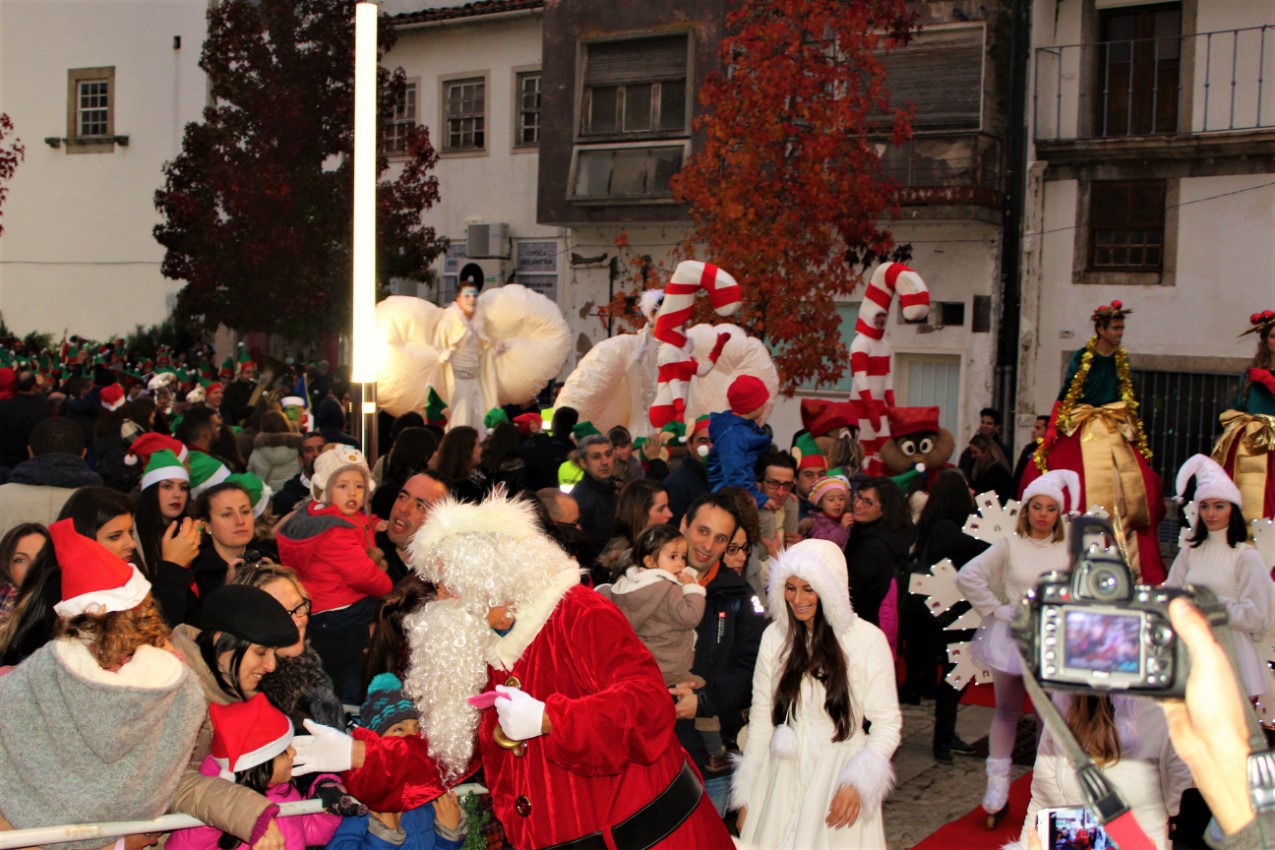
column 807, row 453
column 434, row 407
column 227, row 368
column 584, row 429
column 205, row 471
column 259, row 492
column 163, row 465
column 676, row 429
column 494, row 417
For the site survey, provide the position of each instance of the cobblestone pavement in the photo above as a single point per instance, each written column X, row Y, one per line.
column 929, row 793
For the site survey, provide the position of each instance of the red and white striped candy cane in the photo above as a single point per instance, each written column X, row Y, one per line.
column 870, row 353
column 673, row 381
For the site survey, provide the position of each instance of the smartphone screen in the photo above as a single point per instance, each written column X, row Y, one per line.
column 1073, row 828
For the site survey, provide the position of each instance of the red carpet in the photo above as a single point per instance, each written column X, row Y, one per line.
column 970, row 833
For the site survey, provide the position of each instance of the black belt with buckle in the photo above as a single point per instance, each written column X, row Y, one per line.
column 650, row 824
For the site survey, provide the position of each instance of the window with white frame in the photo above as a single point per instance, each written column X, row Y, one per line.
column 90, row 119
column 528, row 132
column 465, row 115
column 400, row 125
column 536, row 263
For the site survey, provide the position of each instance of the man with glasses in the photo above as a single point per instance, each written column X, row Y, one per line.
column 777, row 478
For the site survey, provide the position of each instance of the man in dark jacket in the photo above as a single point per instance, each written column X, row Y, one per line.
column 544, row 456
column 690, row 480
column 39, row 487
column 726, row 644
column 297, row 488
column 18, row 415
column 595, row 494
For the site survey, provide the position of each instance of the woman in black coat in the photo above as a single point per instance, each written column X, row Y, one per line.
column 877, row 551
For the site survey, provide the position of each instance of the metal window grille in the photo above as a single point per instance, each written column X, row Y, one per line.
column 1180, row 412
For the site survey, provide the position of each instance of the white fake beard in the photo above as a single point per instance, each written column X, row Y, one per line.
column 448, row 665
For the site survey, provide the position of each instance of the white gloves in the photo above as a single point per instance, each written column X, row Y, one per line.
column 521, row 715
column 324, row 749
column 1005, row 613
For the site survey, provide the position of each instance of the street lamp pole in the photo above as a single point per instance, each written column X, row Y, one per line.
column 364, row 366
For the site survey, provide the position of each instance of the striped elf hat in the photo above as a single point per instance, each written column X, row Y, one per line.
column 205, row 471
column 163, row 465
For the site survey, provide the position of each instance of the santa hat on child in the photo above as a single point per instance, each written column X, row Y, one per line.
column 1056, row 484
column 1211, row 481
column 246, row 734
column 149, row 443
column 746, row 394
column 94, row 579
column 112, row 397
column 828, row 484
column 163, row 465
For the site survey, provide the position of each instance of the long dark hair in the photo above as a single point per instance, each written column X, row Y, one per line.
column 456, row 453
column 501, row 447
column 633, row 506
column 950, row 499
column 1236, row 530
column 413, row 448
column 10, row 543
column 150, row 525
column 33, row 621
column 895, row 514
column 1092, row 719
column 92, row 507
column 387, row 648
column 256, row 778
column 815, row 653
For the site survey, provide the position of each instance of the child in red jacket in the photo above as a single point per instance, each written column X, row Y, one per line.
column 332, row 546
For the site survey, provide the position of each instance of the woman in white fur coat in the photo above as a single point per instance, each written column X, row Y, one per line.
column 810, row 777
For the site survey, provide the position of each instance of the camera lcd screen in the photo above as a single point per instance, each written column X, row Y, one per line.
column 1103, row 642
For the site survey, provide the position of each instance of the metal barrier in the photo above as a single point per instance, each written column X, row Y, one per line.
column 42, row 835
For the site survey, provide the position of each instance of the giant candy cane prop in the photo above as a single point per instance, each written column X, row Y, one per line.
column 870, row 352
column 676, row 365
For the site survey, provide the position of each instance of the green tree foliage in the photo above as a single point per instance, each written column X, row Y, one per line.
column 257, row 208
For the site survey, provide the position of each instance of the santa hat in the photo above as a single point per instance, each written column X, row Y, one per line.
column 112, row 397
column 94, row 579
column 807, row 453
column 163, row 465
column 823, row 565
column 246, row 734
column 259, row 492
column 1211, row 480
column 386, row 705
column 828, row 484
column 746, row 394
column 1260, row 323
column 827, row 418
column 205, row 472
column 149, row 443
column 463, row 522
column 912, row 420
column 1061, row 485
column 333, row 462
column 292, row 401
column 528, row 423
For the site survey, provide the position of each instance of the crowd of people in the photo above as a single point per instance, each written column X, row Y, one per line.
column 211, row 603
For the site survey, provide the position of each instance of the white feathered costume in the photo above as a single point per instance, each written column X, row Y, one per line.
column 789, row 774
column 524, row 342
column 614, row 384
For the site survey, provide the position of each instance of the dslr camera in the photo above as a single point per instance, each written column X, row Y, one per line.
column 1092, row 629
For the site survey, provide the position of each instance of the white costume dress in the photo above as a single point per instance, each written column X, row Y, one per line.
column 789, row 774
column 995, row 581
column 1149, row 773
column 1241, row 581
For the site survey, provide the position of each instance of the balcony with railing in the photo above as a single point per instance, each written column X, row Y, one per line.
column 1197, row 84
column 946, row 168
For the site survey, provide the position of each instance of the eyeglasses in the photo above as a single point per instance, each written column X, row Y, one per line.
column 859, row 497
column 736, row 548
column 302, row 610
column 779, row 485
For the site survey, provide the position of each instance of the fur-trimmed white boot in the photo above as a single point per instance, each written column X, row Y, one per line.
column 996, row 799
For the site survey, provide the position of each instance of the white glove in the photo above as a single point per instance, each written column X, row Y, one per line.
column 324, row 749
column 522, row 716
column 444, row 355
column 1005, row 613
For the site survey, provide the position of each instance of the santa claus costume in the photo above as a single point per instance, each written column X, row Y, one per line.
column 791, row 772
column 573, row 720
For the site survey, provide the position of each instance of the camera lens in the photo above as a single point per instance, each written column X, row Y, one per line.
column 1107, row 584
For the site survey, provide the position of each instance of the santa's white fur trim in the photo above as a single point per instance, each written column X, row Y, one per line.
column 823, row 565
column 744, row 779
column 496, row 515
column 872, row 775
column 530, row 618
column 783, row 742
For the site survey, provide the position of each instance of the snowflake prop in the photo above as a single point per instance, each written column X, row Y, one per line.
column 1263, row 539
column 1192, row 511
column 968, row 669
column 939, row 588
column 993, row 521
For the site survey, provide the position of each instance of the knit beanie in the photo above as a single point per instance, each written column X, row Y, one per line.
column 1211, row 480
column 826, row 485
column 386, row 705
column 746, row 394
column 333, row 462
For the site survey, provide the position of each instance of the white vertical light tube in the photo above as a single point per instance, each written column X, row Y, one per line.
column 364, row 368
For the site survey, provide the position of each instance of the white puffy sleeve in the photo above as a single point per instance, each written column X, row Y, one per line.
column 529, row 341
column 409, row 360
column 982, row 580
column 870, row 770
column 748, row 769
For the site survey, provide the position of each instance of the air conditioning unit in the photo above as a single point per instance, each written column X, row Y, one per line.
column 487, row 240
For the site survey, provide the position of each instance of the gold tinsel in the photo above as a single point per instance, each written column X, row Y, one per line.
column 1077, row 386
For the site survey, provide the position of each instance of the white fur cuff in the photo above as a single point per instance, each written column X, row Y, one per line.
column 747, row 772
column 692, row 589
column 872, row 775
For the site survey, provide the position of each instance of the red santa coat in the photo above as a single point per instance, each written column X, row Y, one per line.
column 612, row 748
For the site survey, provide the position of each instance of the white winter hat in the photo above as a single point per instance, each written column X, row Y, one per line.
column 823, row 565
column 1211, row 480
column 1055, row 484
column 332, row 462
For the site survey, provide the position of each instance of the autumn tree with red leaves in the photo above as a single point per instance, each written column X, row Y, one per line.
column 787, row 192
column 10, row 156
column 257, row 207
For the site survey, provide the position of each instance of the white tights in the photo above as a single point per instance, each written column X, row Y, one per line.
column 1010, row 693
